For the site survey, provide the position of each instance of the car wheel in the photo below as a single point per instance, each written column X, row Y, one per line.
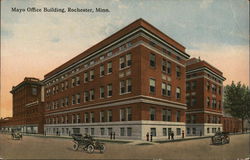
column 75, row 146
column 90, row 148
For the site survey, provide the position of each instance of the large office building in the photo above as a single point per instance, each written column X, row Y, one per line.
column 204, row 85
column 131, row 83
column 28, row 107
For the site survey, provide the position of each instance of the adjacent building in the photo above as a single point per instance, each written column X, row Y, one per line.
column 28, row 107
column 130, row 84
column 204, row 85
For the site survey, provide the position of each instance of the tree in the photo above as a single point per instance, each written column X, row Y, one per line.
column 237, row 101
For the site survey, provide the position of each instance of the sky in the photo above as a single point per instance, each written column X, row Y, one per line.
column 34, row 43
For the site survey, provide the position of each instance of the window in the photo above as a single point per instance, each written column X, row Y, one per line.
column 77, row 80
column 122, row 131
column 122, row 87
column 109, row 88
column 102, row 92
column 66, row 84
column 122, row 62
column 102, row 70
column 73, row 82
column 193, row 118
column 188, row 86
column 86, row 117
column 208, row 102
column 208, row 86
column 109, row 54
column 193, row 85
column 153, row 131
column 86, row 96
column 164, row 131
column 163, row 89
column 73, row 100
column 164, row 65
column 129, row 131
column 91, row 74
column 109, row 116
column 152, row 85
column 169, row 115
column 208, row 131
column 92, row 94
column 164, row 114
column 129, row 85
column 188, row 130
column 34, row 91
column 86, row 131
column 178, row 93
column 193, row 101
column 78, row 98
column 102, row 131
column 109, row 131
column 178, row 116
column 73, row 118
column 178, row 131
column 128, row 59
column 101, row 58
column 168, row 67
column 123, row 114
column 152, row 60
column 102, row 119
column 67, row 101
column 178, row 71
column 78, row 118
column 169, row 90
column 109, row 67
column 129, row 118
column 152, row 114
column 86, row 78
column 92, row 131
column 194, row 131
column 92, row 117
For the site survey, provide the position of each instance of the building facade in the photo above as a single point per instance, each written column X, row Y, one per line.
column 204, row 85
column 28, row 107
column 130, row 84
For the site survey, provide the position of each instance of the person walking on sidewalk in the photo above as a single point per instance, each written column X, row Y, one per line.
column 172, row 135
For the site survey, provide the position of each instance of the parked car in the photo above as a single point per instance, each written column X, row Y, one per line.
column 87, row 143
column 15, row 135
column 220, row 138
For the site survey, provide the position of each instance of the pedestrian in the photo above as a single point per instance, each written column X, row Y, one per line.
column 169, row 134
column 172, row 135
column 147, row 135
column 57, row 133
column 110, row 135
column 200, row 133
column 151, row 137
column 182, row 133
column 114, row 135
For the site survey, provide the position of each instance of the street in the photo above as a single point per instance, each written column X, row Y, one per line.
column 57, row 148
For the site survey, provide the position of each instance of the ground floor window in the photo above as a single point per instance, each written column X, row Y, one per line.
column 178, row 131
column 164, row 130
column 122, row 131
column 153, row 131
column 62, row 130
column 92, row 131
column 67, row 130
column 194, row 131
column 213, row 130
column 129, row 131
column 76, row 130
column 218, row 129
column 109, row 131
column 102, row 131
column 188, row 130
column 86, row 130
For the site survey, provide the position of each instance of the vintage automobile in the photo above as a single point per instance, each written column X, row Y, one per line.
column 220, row 138
column 16, row 135
column 87, row 143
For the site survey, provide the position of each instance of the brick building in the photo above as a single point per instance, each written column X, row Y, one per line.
column 231, row 124
column 204, row 85
column 28, row 107
column 131, row 83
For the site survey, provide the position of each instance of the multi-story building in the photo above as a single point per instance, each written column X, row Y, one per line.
column 28, row 108
column 204, row 85
column 131, row 83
